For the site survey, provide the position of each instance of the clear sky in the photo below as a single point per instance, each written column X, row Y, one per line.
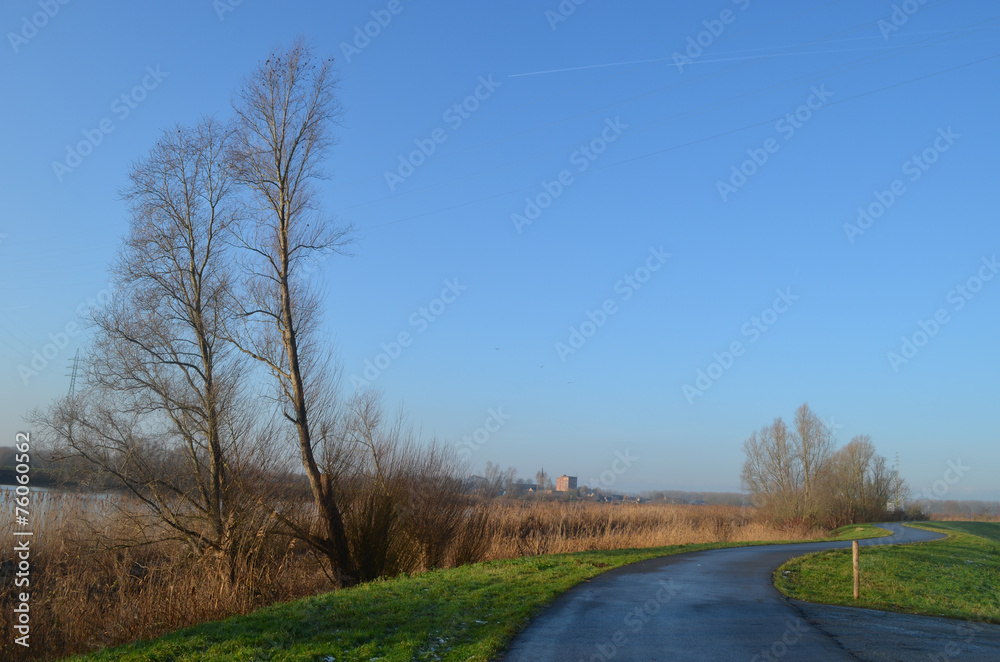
column 583, row 176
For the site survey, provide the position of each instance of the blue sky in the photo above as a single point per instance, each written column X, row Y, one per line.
column 627, row 125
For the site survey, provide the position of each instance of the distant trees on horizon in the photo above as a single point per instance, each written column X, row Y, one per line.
column 797, row 473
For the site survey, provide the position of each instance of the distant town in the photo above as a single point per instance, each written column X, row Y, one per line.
column 568, row 488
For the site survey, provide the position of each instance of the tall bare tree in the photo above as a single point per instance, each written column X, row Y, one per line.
column 813, row 444
column 162, row 408
column 284, row 114
column 772, row 471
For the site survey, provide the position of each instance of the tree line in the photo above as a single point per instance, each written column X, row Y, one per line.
column 796, row 473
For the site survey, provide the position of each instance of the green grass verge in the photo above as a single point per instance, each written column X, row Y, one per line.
column 955, row 577
column 857, row 532
column 465, row 613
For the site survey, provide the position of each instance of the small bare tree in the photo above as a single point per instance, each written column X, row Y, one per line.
column 435, row 504
column 403, row 501
column 417, row 486
column 284, row 112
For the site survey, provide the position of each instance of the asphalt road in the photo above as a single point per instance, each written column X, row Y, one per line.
column 722, row 605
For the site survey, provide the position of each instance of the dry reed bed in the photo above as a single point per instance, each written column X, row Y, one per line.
column 528, row 528
column 958, row 517
column 102, row 575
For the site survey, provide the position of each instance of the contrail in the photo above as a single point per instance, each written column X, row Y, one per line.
column 718, row 59
column 587, row 66
column 687, row 63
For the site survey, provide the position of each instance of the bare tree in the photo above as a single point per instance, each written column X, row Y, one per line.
column 772, row 471
column 496, row 481
column 363, row 453
column 813, row 444
column 162, row 409
column 403, row 501
column 284, row 113
column 858, row 485
column 797, row 474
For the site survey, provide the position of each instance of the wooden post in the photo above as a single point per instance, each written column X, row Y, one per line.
column 857, row 570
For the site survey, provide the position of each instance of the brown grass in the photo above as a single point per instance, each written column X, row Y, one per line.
column 101, row 575
column 956, row 517
column 529, row 528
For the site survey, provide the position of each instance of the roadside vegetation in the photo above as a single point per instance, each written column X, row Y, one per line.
column 104, row 575
column 962, row 511
column 956, row 577
column 466, row 613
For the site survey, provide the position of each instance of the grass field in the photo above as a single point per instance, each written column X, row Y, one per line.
column 464, row 613
column 956, row 577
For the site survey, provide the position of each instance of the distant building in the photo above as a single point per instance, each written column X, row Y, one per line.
column 565, row 483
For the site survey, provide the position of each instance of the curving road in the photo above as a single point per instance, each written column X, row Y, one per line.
column 721, row 605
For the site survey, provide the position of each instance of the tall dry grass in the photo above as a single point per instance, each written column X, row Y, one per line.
column 957, row 517
column 103, row 575
column 529, row 528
